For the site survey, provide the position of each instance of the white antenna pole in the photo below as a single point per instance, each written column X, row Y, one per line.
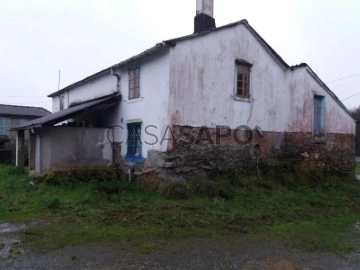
column 59, row 80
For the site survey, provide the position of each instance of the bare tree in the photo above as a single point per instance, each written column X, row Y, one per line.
column 355, row 113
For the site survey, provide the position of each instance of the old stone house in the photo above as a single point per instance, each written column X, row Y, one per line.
column 149, row 112
column 12, row 116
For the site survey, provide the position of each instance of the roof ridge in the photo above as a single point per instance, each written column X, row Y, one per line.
column 171, row 42
column 23, row 106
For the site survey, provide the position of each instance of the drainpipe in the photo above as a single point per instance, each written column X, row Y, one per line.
column 118, row 77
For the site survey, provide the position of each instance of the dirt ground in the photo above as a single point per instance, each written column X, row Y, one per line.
column 192, row 253
column 183, row 254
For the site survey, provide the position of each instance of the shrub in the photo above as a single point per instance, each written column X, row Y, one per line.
column 177, row 191
column 53, row 203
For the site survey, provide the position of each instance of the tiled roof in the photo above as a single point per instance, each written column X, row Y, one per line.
column 22, row 111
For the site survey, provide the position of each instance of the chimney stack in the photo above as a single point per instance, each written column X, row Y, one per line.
column 204, row 16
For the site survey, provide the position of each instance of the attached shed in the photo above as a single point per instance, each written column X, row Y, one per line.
column 74, row 137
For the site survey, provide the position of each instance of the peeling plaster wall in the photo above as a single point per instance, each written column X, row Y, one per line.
column 301, row 90
column 202, row 87
column 193, row 84
column 336, row 120
column 202, row 82
column 297, row 103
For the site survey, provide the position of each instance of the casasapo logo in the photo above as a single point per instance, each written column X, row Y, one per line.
column 183, row 135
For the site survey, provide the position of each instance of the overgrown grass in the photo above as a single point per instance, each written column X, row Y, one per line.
column 312, row 218
column 357, row 169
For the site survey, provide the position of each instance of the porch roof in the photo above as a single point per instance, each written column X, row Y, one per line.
column 63, row 115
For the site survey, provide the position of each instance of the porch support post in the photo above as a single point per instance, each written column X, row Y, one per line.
column 38, row 160
column 20, row 139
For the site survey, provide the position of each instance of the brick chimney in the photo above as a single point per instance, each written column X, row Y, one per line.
column 204, row 20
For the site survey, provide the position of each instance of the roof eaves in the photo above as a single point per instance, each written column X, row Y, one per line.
column 89, row 78
column 65, row 114
column 25, row 111
column 267, row 47
column 173, row 41
column 327, row 89
column 151, row 51
column 158, row 47
column 301, row 65
column 244, row 22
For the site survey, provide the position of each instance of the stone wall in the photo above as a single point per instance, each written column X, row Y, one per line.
column 209, row 155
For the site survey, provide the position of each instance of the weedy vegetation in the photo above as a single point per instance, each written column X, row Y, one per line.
column 310, row 217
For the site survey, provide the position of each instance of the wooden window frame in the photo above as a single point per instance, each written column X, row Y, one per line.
column 243, row 79
column 134, row 83
column 61, row 103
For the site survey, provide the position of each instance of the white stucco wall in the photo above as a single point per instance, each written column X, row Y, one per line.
column 302, row 87
column 202, row 83
column 99, row 87
column 337, row 120
column 202, row 87
column 193, row 83
column 151, row 109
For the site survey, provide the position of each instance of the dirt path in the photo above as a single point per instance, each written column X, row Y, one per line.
column 186, row 254
column 200, row 253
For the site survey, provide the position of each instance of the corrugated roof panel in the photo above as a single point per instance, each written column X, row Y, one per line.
column 66, row 114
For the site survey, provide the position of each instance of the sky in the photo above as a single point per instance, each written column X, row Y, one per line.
column 80, row 37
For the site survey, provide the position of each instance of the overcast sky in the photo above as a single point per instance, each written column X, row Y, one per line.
column 81, row 37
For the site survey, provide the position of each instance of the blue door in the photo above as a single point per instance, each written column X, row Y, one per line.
column 319, row 116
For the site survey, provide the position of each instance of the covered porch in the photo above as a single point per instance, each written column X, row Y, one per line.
column 71, row 138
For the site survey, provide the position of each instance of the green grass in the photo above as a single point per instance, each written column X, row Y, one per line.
column 311, row 218
column 357, row 169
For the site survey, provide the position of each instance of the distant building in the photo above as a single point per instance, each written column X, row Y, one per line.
column 12, row 116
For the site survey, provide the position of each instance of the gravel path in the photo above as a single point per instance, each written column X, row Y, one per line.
column 195, row 253
column 186, row 254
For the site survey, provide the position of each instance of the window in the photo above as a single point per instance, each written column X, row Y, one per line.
column 3, row 126
column 319, row 116
column 134, row 148
column 61, row 103
column 243, row 69
column 134, row 83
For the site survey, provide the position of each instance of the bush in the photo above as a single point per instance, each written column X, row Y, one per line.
column 53, row 203
column 16, row 171
column 177, row 191
column 221, row 187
